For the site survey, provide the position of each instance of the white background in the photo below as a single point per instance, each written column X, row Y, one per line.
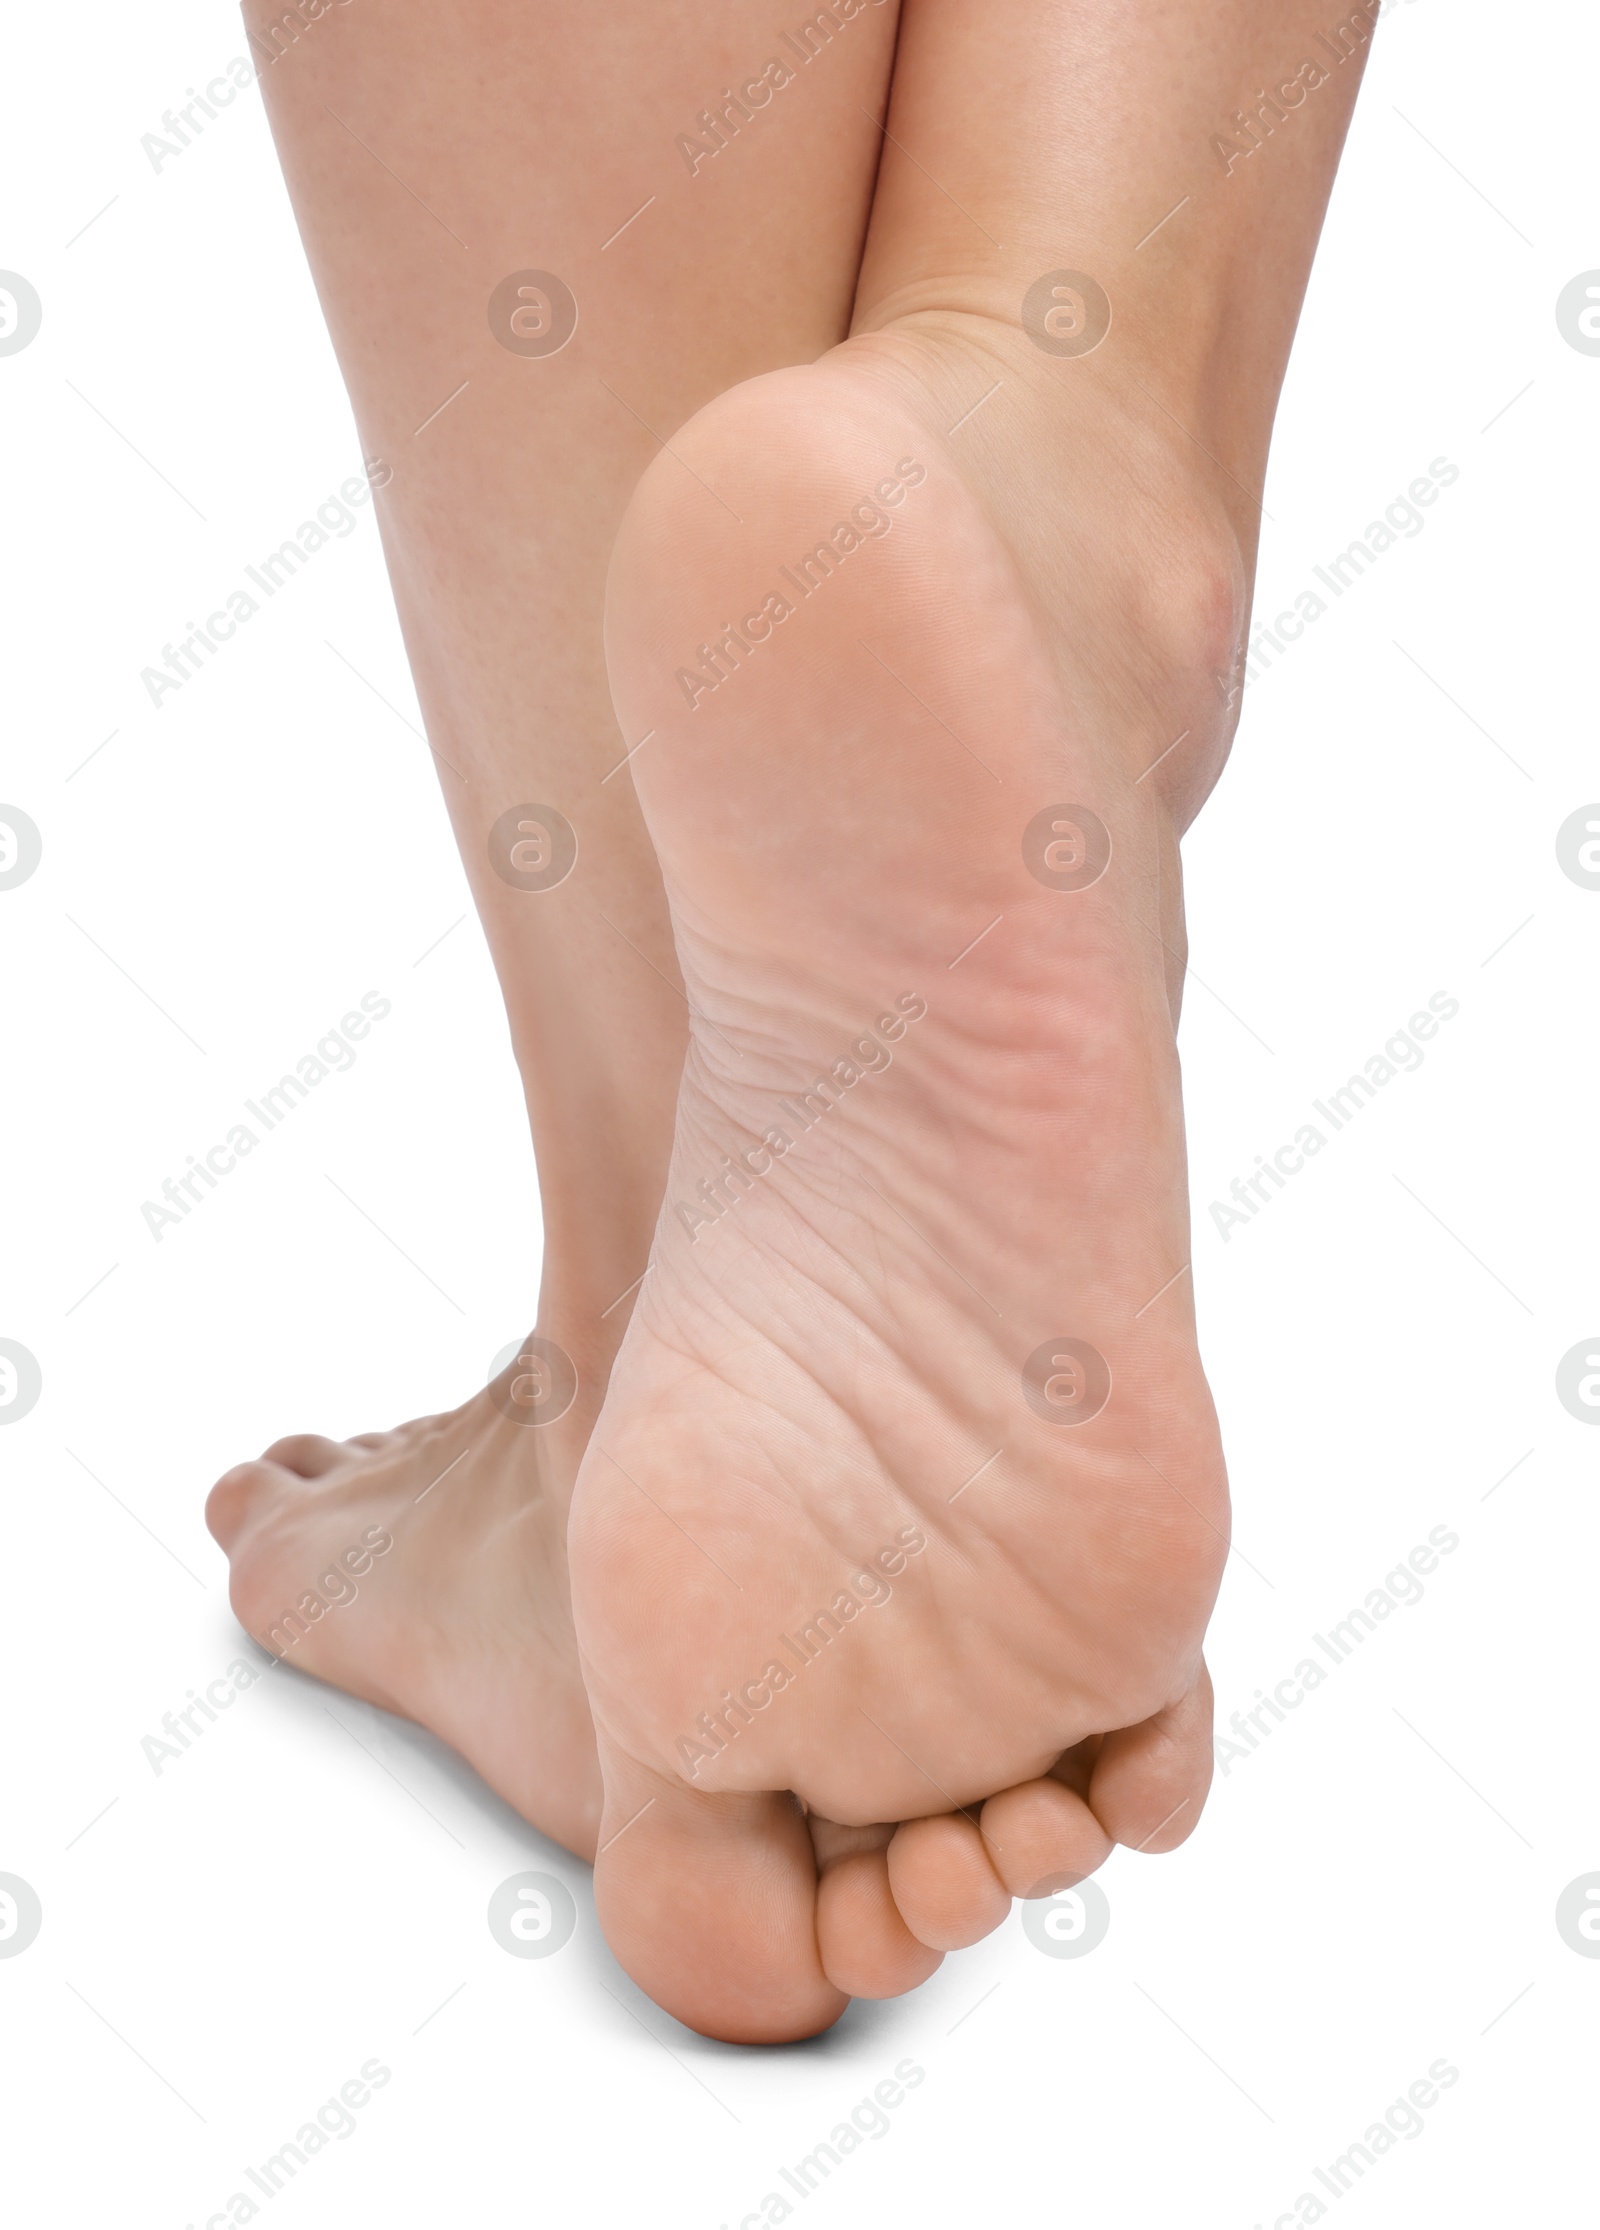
column 1375, row 1884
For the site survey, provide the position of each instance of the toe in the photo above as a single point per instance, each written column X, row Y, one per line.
column 242, row 1494
column 867, row 1949
column 1150, row 1781
column 1042, row 1837
column 709, row 1902
column 308, row 1453
column 238, row 1498
column 944, row 1884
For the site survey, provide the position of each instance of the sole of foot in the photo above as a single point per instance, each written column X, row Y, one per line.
column 908, row 1482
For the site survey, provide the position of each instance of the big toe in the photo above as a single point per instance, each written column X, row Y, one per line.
column 709, row 1902
column 240, row 1497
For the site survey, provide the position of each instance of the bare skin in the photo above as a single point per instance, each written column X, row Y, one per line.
column 498, row 525
column 834, row 1336
column 481, row 1652
column 834, row 1350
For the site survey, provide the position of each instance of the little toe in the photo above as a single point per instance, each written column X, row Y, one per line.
column 945, row 1886
column 1150, row 1781
column 1042, row 1837
column 867, row 1949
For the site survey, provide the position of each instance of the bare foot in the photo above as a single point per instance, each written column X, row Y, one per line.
column 425, row 1570
column 908, row 1479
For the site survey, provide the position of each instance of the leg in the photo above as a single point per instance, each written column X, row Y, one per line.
column 908, row 1482
column 428, row 158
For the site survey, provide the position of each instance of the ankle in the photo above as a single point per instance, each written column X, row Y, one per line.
column 588, row 1285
